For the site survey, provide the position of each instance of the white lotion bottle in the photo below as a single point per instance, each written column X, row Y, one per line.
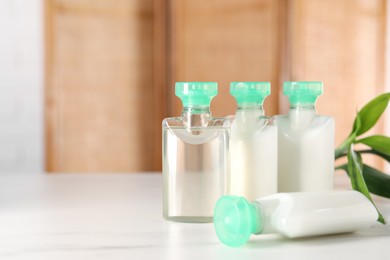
column 253, row 143
column 305, row 141
column 296, row 214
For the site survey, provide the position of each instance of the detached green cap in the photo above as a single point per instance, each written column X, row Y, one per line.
column 235, row 219
column 196, row 93
column 302, row 92
column 250, row 92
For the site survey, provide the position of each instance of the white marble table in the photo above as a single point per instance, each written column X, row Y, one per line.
column 118, row 216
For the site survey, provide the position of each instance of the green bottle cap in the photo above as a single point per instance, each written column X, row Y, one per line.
column 302, row 92
column 235, row 219
column 250, row 92
column 196, row 93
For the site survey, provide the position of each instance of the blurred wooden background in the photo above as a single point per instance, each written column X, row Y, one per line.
column 111, row 67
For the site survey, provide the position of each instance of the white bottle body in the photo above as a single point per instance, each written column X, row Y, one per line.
column 305, row 151
column 315, row 213
column 253, row 155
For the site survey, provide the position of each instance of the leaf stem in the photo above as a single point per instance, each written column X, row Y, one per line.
column 341, row 150
column 342, row 154
column 341, row 167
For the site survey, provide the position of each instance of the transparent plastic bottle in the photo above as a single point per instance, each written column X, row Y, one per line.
column 253, row 143
column 195, row 156
column 305, row 141
column 296, row 214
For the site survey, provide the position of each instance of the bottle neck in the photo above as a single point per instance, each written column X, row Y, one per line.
column 265, row 209
column 248, row 118
column 249, row 112
column 197, row 116
column 250, row 107
column 303, row 106
column 301, row 115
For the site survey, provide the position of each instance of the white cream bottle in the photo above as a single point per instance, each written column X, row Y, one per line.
column 305, row 141
column 296, row 214
column 253, row 143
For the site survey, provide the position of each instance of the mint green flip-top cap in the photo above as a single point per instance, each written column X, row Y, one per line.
column 302, row 92
column 250, row 92
column 235, row 219
column 196, row 93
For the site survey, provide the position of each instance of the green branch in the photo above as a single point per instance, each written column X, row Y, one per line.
column 364, row 178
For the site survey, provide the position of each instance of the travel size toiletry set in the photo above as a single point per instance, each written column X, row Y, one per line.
column 284, row 165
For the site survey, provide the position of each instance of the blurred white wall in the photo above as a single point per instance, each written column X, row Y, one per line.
column 21, row 86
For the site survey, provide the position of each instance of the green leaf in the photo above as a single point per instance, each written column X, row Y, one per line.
column 379, row 143
column 343, row 147
column 384, row 156
column 355, row 171
column 356, row 176
column 357, row 124
column 370, row 151
column 377, row 182
column 343, row 167
column 370, row 113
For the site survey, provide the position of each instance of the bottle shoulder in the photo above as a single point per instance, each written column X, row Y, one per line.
column 213, row 122
column 173, row 121
column 318, row 121
column 244, row 116
column 195, row 136
column 251, row 126
column 318, row 117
